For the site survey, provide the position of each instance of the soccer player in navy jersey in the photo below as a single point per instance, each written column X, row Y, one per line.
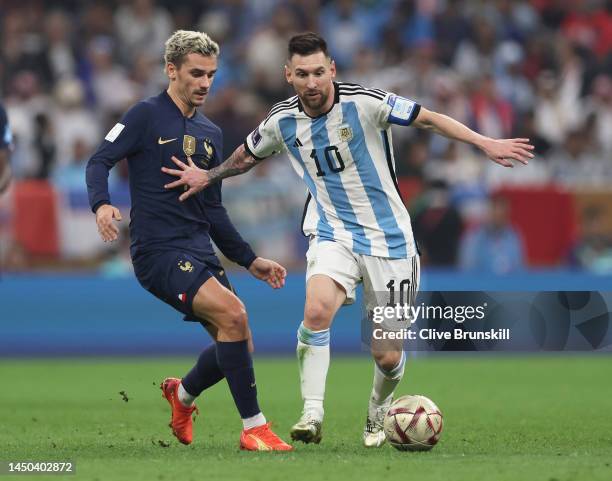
column 171, row 245
column 6, row 138
column 338, row 138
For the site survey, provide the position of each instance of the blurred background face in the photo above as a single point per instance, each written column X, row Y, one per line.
column 499, row 214
column 311, row 77
column 193, row 79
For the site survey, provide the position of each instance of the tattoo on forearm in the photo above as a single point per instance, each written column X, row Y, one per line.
column 237, row 163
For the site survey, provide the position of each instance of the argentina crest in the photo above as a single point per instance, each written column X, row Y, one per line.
column 345, row 132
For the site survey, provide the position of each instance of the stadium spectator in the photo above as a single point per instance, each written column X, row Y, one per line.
column 68, row 177
column 493, row 115
column 44, row 145
column 577, row 163
column 539, row 68
column 142, row 27
column 72, row 121
column 494, row 247
column 111, row 86
column 437, row 226
column 266, row 52
column 60, row 52
column 593, row 251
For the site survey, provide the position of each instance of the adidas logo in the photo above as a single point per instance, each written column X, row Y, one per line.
column 297, row 143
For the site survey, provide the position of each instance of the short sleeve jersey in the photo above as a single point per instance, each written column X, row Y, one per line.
column 345, row 157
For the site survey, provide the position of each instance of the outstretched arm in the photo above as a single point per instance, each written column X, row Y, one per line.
column 501, row 151
column 198, row 179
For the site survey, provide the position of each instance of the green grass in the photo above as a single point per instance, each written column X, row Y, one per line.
column 536, row 418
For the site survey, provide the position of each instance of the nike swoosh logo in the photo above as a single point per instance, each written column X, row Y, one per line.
column 161, row 141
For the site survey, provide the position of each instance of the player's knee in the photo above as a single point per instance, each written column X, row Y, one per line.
column 317, row 315
column 235, row 321
column 387, row 360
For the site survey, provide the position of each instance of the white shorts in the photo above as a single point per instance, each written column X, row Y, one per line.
column 380, row 276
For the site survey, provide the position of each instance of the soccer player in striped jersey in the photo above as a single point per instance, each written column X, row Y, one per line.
column 338, row 137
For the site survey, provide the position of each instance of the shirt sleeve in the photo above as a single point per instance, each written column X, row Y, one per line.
column 264, row 141
column 222, row 231
column 122, row 140
column 393, row 109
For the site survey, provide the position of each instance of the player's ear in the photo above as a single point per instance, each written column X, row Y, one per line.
column 171, row 71
column 288, row 75
column 332, row 69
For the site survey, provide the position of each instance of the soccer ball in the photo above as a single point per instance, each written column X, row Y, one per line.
column 413, row 423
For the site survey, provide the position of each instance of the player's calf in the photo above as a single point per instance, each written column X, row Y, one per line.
column 387, row 360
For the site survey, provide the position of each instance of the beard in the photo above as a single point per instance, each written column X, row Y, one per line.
column 315, row 103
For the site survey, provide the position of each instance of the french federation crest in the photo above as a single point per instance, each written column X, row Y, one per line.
column 209, row 152
column 345, row 132
column 185, row 266
column 189, row 145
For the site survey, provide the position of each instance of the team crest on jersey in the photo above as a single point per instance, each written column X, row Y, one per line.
column 185, row 266
column 209, row 152
column 189, row 145
column 345, row 132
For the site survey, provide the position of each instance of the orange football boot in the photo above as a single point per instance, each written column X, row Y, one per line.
column 181, row 421
column 262, row 438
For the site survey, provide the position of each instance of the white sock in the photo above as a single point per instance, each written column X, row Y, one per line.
column 385, row 382
column 313, row 359
column 184, row 397
column 254, row 421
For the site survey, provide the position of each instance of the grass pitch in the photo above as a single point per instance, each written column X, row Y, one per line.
column 536, row 418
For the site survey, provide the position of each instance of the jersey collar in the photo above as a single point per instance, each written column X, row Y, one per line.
column 336, row 100
column 169, row 99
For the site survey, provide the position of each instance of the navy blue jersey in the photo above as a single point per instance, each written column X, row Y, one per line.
column 148, row 135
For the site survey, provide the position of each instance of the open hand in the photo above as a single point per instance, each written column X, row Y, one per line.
column 105, row 214
column 504, row 151
column 269, row 271
column 190, row 175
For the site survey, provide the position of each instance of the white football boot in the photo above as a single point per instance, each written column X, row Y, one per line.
column 307, row 429
column 373, row 432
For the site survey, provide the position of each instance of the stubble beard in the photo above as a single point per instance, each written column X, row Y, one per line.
column 315, row 105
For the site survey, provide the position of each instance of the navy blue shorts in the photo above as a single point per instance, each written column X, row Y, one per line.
column 175, row 277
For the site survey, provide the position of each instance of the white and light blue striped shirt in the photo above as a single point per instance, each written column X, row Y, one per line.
column 345, row 157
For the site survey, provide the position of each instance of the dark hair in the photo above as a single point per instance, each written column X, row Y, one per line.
column 306, row 44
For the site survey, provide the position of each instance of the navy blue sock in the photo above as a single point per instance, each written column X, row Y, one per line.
column 236, row 364
column 205, row 373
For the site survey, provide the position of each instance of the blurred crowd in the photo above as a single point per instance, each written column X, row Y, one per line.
column 508, row 68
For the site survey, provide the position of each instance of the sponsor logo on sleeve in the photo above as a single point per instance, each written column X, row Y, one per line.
column 255, row 137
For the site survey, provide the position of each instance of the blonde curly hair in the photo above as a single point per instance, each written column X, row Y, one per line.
column 183, row 42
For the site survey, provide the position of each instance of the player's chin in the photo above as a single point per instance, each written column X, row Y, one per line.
column 313, row 104
column 199, row 99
